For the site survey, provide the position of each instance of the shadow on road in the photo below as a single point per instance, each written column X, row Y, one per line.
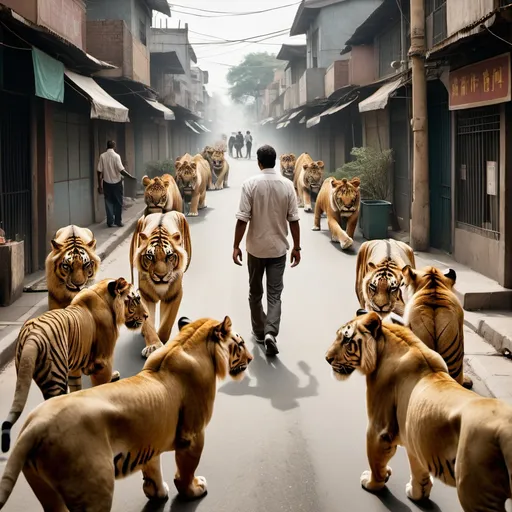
column 392, row 503
column 203, row 213
column 274, row 381
column 177, row 505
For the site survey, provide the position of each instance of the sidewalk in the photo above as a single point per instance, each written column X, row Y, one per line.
column 34, row 300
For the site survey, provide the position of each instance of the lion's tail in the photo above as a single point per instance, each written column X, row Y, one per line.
column 505, row 443
column 134, row 244
column 24, row 445
column 26, row 367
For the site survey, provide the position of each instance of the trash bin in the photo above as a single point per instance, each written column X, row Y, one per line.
column 130, row 187
column 374, row 218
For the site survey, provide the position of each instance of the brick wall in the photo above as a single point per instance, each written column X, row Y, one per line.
column 105, row 40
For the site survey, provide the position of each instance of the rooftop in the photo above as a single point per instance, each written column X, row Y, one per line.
column 290, row 52
column 306, row 14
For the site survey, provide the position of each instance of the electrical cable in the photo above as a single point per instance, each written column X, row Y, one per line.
column 223, row 14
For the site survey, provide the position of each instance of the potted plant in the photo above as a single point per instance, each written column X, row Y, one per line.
column 158, row 168
column 373, row 167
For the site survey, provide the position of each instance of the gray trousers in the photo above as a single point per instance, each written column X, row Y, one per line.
column 265, row 323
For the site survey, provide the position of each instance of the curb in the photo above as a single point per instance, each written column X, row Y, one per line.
column 500, row 342
column 8, row 342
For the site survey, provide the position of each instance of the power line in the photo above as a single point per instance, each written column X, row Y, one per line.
column 223, row 14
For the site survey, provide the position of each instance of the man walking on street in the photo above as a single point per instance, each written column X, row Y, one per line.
column 231, row 143
column 248, row 144
column 239, row 144
column 269, row 204
column 110, row 183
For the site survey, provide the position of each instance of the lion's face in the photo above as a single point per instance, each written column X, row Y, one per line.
column 186, row 176
column 208, row 152
column 381, row 287
column 155, row 193
column 161, row 256
column 346, row 195
column 76, row 264
column 313, row 175
column 288, row 165
column 218, row 159
column 135, row 312
column 355, row 346
column 429, row 277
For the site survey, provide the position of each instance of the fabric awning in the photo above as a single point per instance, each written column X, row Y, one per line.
column 103, row 106
column 267, row 120
column 200, row 127
column 191, row 127
column 303, row 120
column 313, row 121
column 203, row 127
column 336, row 108
column 48, row 76
column 379, row 99
column 294, row 115
column 167, row 112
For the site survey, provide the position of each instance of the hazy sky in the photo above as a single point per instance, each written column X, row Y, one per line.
column 216, row 58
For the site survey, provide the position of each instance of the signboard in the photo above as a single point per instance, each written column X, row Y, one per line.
column 484, row 83
column 491, row 178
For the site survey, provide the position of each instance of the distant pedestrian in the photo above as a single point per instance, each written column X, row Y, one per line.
column 110, row 183
column 248, row 143
column 239, row 144
column 269, row 204
column 231, row 143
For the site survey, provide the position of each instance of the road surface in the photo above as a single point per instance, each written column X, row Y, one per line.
column 289, row 437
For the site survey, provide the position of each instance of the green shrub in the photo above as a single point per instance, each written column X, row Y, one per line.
column 159, row 167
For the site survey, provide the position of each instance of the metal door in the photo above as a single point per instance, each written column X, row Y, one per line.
column 439, row 134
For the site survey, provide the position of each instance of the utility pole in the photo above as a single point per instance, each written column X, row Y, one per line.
column 420, row 211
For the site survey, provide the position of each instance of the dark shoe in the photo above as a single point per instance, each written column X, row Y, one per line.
column 259, row 338
column 110, row 225
column 271, row 345
column 120, row 225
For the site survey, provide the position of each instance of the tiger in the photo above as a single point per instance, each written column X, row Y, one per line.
column 435, row 315
column 71, row 265
column 161, row 195
column 379, row 275
column 307, row 179
column 161, row 251
column 341, row 201
column 220, row 170
column 449, row 432
column 207, row 154
column 110, row 432
column 56, row 348
column 287, row 162
column 193, row 177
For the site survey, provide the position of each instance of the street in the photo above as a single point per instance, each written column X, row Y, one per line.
column 288, row 437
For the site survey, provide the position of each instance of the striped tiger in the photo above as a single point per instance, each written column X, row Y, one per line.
column 379, row 275
column 435, row 315
column 55, row 348
column 71, row 265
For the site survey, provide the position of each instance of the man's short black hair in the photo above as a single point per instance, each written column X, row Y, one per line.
column 267, row 157
column 111, row 144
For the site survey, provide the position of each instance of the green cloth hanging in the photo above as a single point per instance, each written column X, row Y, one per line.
column 49, row 76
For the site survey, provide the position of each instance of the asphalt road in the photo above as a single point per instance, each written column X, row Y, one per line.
column 288, row 437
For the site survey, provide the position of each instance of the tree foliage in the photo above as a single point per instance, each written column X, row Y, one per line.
column 252, row 75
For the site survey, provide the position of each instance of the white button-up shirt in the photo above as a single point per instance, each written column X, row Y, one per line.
column 268, row 202
column 110, row 165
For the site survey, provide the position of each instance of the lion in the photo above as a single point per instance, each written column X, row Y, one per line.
column 193, row 177
column 287, row 162
column 71, row 265
column 56, row 348
column 220, row 170
column 161, row 250
column 110, row 432
column 379, row 275
column 308, row 179
column 449, row 432
column 435, row 315
column 340, row 200
column 161, row 195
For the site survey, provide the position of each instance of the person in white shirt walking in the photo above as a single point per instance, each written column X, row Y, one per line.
column 269, row 205
column 248, row 144
column 110, row 183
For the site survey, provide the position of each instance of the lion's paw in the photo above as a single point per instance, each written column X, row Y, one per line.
column 219, row 187
column 147, row 351
column 152, row 492
column 416, row 491
column 193, row 214
column 115, row 376
column 370, row 485
column 315, row 228
column 347, row 243
column 196, row 490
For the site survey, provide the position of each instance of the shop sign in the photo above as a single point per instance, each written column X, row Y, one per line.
column 484, row 83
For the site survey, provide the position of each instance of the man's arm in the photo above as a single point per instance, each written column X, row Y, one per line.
column 239, row 234
column 243, row 217
column 293, row 221
column 100, row 175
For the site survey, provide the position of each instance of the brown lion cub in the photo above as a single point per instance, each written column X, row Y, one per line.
column 435, row 315
column 124, row 427
column 448, row 431
column 340, row 200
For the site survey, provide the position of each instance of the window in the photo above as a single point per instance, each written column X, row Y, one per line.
column 314, row 49
column 436, row 29
column 142, row 32
column 389, row 45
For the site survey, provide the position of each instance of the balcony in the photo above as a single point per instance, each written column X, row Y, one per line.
column 336, row 76
column 312, row 85
column 361, row 67
column 291, row 97
column 64, row 17
column 111, row 41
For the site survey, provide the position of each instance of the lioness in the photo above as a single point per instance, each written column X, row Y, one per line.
column 448, row 431
column 109, row 432
column 307, row 179
column 193, row 177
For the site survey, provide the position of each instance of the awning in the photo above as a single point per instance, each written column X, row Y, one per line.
column 103, row 106
column 167, row 112
column 203, row 127
column 282, row 125
column 294, row 115
column 303, row 120
column 313, row 121
column 379, row 99
column 267, row 120
column 336, row 108
column 198, row 126
column 191, row 127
